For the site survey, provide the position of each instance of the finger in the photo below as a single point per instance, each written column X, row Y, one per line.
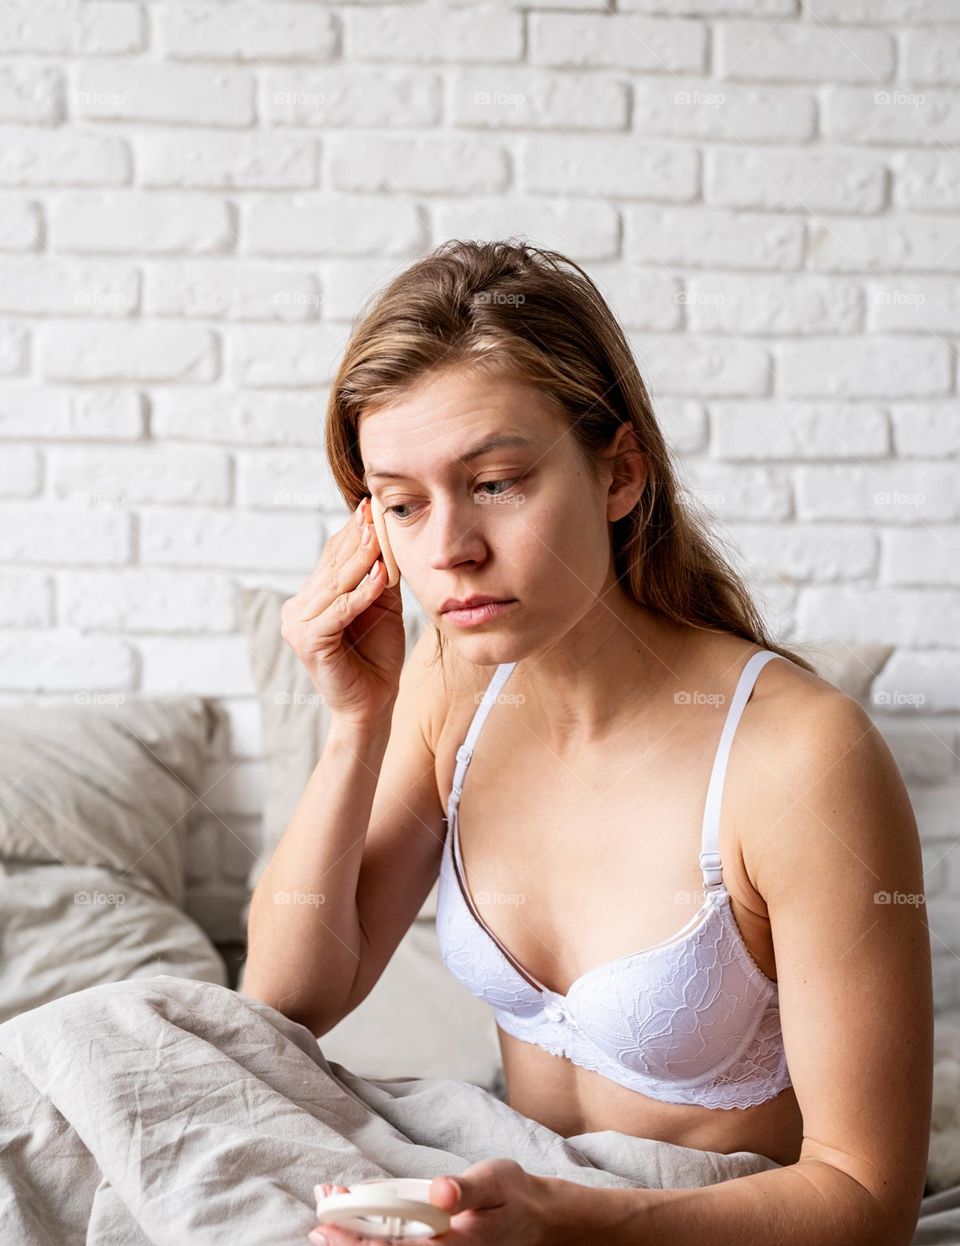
column 332, row 578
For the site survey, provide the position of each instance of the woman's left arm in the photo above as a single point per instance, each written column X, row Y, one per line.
column 833, row 849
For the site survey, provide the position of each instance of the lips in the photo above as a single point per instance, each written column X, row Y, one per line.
column 468, row 603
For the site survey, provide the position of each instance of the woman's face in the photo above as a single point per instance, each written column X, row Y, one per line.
column 519, row 522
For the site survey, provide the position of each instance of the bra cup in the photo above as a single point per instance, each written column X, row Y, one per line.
column 475, row 960
column 683, row 1016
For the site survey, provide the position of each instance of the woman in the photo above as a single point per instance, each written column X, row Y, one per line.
column 720, row 974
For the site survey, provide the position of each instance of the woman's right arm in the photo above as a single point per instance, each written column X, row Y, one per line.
column 303, row 931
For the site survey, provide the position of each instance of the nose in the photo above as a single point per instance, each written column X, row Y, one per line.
column 456, row 535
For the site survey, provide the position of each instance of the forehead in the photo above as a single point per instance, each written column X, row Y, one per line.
column 426, row 429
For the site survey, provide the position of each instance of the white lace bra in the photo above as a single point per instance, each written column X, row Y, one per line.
column 690, row 1020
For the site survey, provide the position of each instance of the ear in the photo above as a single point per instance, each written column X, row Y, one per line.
column 627, row 465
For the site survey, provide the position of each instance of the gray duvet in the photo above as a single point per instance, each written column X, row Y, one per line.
column 164, row 1110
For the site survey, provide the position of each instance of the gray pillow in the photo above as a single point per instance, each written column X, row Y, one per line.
column 94, row 812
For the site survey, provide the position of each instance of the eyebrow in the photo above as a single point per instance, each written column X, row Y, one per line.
column 497, row 441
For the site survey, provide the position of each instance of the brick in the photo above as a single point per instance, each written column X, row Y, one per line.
column 928, row 680
column 929, row 305
column 926, row 430
column 14, row 349
column 43, row 413
column 226, row 291
column 888, row 493
column 890, row 245
column 797, row 430
column 84, row 27
column 646, row 299
column 351, row 96
column 529, row 99
column 261, row 419
column 878, row 11
column 684, row 424
column 285, row 479
column 26, row 599
column 925, row 753
column 896, row 115
column 20, row 473
column 590, row 230
column 865, row 614
column 217, row 161
column 697, row 237
column 146, row 473
column 784, row 304
column 794, row 553
column 868, row 367
column 233, row 539
column 135, row 599
column 128, row 352
column 929, row 57
column 446, row 164
column 741, row 493
column 795, row 181
column 930, row 555
column 160, row 91
column 802, row 52
column 158, row 223
column 206, row 666
column 619, row 166
column 342, row 225
column 926, row 180
column 287, row 355
column 38, row 286
column 63, row 157
column 702, row 108
column 432, row 33
column 84, row 665
column 254, row 32
column 694, row 365
column 712, row 8
column 31, row 93
column 607, row 40
column 19, row 225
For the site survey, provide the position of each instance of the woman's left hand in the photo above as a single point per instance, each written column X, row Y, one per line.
column 499, row 1204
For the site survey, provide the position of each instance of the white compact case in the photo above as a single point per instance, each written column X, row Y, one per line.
column 384, row 1207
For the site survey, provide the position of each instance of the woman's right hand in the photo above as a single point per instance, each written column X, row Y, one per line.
column 347, row 630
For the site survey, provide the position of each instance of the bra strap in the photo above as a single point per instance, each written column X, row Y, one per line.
column 710, row 862
column 465, row 751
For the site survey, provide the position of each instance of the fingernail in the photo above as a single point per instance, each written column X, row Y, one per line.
column 358, row 514
column 365, row 539
column 317, row 1238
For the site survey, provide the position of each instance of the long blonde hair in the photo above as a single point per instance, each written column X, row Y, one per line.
column 506, row 306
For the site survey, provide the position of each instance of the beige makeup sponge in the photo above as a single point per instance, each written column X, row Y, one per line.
column 380, row 526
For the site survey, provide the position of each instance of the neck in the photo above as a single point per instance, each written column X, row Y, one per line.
column 615, row 662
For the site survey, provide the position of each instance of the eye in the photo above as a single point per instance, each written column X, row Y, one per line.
column 512, row 480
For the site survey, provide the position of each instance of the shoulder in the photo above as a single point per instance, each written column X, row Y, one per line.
column 450, row 688
column 820, row 773
column 797, row 736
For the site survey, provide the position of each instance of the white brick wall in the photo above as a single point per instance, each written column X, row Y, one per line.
column 196, row 197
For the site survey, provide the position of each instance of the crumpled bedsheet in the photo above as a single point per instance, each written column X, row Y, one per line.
column 165, row 1110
